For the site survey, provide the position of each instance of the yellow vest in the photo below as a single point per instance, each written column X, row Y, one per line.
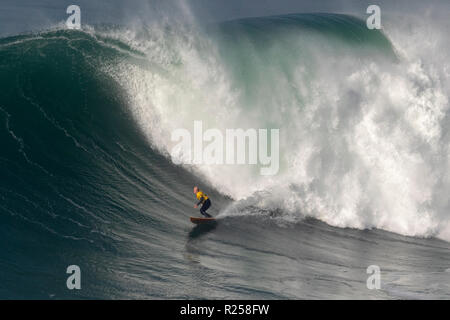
column 200, row 195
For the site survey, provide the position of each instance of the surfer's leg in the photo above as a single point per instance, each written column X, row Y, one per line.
column 205, row 207
column 204, row 213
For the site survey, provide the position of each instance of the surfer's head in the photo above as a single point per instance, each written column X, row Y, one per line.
column 195, row 189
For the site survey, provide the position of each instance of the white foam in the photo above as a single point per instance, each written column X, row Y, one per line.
column 363, row 140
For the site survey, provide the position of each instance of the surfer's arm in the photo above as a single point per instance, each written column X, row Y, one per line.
column 200, row 202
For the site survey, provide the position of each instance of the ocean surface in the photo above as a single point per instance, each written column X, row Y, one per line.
column 87, row 177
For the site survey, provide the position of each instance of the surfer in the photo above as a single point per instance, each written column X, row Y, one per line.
column 203, row 200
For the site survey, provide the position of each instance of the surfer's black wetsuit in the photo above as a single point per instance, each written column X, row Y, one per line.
column 205, row 207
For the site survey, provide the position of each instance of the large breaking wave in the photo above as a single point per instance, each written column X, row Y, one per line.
column 363, row 115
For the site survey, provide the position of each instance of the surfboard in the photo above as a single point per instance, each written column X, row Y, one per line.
column 201, row 220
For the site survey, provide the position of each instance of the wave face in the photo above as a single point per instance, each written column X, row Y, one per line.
column 86, row 176
column 78, row 177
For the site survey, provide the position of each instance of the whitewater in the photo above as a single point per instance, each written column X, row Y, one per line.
column 89, row 176
column 362, row 116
